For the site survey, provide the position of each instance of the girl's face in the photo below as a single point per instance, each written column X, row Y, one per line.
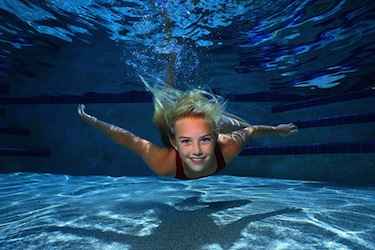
column 195, row 142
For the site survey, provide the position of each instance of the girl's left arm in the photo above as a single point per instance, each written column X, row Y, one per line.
column 232, row 144
column 262, row 130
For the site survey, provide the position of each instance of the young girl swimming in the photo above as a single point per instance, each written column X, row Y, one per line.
column 199, row 137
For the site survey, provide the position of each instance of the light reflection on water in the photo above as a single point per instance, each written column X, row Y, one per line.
column 219, row 212
column 312, row 45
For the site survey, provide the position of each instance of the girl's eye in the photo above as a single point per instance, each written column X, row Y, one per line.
column 206, row 140
column 185, row 142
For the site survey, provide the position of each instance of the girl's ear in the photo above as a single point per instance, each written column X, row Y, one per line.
column 173, row 143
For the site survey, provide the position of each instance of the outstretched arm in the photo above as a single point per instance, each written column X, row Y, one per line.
column 154, row 156
column 233, row 143
column 282, row 129
column 230, row 123
column 243, row 136
column 169, row 77
column 117, row 134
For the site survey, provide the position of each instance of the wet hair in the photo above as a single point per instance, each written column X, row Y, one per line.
column 171, row 104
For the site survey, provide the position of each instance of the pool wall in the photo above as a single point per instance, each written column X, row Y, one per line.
column 72, row 147
column 43, row 82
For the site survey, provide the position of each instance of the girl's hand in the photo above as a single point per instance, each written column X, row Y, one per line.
column 86, row 117
column 286, row 129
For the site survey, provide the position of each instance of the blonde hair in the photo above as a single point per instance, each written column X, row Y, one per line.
column 171, row 104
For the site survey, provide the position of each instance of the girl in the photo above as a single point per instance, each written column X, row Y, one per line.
column 199, row 137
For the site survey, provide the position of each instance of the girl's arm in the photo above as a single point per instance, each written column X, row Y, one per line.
column 243, row 136
column 282, row 129
column 233, row 143
column 154, row 156
column 230, row 123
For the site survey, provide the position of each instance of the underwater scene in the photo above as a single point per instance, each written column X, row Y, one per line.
column 43, row 211
column 307, row 62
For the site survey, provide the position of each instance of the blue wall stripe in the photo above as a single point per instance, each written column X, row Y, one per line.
column 143, row 96
column 265, row 97
column 24, row 152
column 315, row 148
column 14, row 131
column 89, row 97
column 139, row 96
column 368, row 92
column 336, row 120
column 4, row 88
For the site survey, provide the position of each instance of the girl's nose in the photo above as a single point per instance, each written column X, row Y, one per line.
column 196, row 149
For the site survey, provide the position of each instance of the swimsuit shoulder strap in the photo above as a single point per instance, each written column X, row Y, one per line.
column 220, row 159
column 179, row 169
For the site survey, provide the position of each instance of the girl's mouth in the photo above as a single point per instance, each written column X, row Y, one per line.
column 197, row 160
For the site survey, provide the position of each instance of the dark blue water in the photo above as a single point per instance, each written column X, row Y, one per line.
column 309, row 47
column 260, row 55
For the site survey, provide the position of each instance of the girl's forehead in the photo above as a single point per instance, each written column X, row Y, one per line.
column 193, row 124
column 193, row 120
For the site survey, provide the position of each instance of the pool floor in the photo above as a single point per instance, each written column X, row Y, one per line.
column 44, row 211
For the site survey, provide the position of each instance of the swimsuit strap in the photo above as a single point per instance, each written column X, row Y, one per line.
column 179, row 168
column 220, row 159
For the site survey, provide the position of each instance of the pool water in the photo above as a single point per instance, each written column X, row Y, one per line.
column 44, row 211
column 258, row 55
column 66, row 186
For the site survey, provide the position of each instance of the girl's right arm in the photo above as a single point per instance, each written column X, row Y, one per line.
column 159, row 159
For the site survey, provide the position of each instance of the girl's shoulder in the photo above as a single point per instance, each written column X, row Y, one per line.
column 230, row 145
column 161, row 160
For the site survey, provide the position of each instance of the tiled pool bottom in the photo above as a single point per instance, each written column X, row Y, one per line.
column 43, row 211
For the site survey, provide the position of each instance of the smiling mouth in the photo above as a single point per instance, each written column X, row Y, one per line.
column 197, row 159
